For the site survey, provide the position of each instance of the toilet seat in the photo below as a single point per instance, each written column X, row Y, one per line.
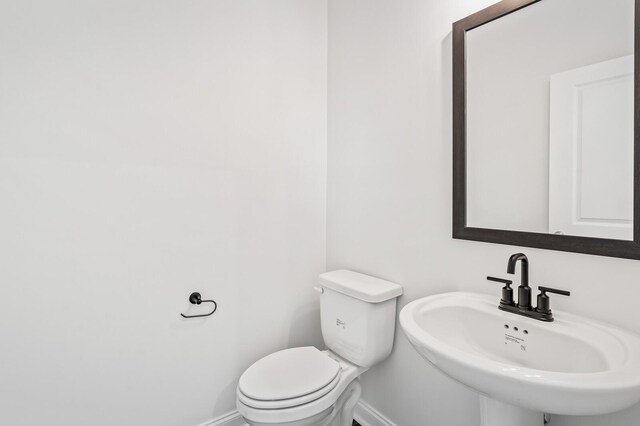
column 296, row 409
column 287, row 403
column 288, row 378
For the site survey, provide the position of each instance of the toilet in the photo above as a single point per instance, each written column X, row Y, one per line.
column 308, row 387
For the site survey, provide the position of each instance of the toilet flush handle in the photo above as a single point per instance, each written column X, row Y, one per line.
column 319, row 289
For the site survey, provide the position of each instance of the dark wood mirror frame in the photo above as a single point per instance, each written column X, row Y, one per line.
column 596, row 246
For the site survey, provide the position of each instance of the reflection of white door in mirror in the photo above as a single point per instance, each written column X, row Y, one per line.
column 591, row 151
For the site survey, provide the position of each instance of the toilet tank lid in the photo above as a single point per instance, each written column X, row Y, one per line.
column 360, row 286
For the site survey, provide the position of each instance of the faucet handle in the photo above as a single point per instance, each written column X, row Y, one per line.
column 544, row 301
column 507, row 291
column 544, row 290
column 500, row 280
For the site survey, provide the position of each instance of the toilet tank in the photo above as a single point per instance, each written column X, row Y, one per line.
column 358, row 316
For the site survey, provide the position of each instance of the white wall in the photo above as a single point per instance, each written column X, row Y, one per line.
column 389, row 199
column 149, row 149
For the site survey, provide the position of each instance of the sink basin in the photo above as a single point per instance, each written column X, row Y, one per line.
column 572, row 366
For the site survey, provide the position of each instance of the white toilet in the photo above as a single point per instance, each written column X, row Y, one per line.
column 308, row 387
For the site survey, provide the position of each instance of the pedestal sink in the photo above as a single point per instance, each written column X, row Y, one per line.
column 522, row 367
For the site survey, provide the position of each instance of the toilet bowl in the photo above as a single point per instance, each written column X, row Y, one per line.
column 308, row 387
column 298, row 387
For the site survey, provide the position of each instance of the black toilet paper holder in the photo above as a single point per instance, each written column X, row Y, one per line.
column 196, row 299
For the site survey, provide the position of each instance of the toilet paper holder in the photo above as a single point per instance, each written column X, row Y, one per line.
column 196, row 299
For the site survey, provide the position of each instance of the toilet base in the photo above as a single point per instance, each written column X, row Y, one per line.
column 345, row 406
column 318, row 419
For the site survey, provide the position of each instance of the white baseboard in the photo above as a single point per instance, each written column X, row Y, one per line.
column 232, row 418
column 364, row 414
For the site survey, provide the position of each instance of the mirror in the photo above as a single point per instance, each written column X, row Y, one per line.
column 544, row 107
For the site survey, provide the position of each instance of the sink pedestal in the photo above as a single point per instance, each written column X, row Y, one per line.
column 497, row 413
